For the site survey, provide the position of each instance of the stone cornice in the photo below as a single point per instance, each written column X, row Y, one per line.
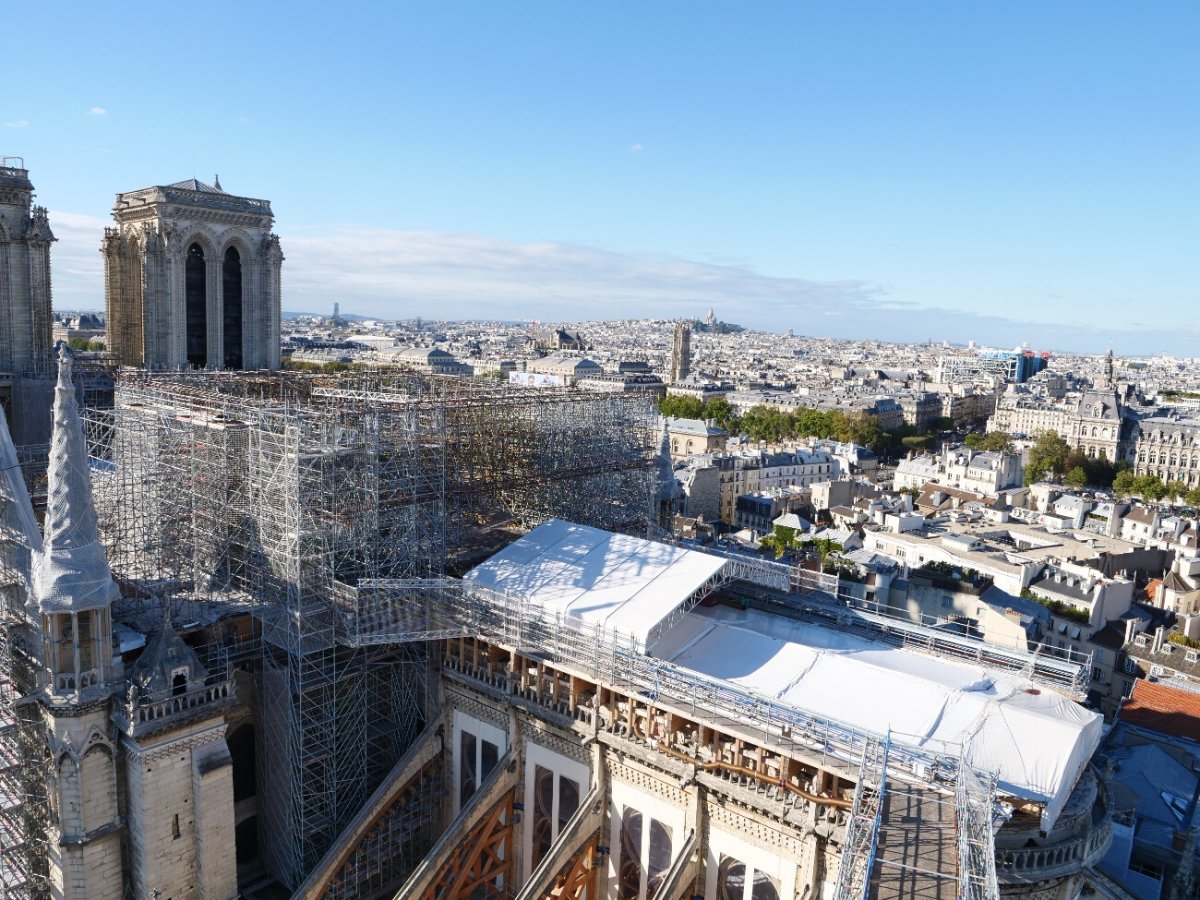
column 169, row 746
column 188, row 214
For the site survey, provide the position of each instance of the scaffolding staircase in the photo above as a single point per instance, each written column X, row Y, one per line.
column 862, row 830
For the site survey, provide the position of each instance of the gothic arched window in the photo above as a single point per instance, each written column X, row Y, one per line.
column 231, row 304
column 196, row 303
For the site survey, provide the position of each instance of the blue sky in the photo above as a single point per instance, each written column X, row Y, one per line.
column 1001, row 172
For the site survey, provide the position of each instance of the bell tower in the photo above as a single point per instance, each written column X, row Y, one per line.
column 74, row 590
column 191, row 279
column 25, row 315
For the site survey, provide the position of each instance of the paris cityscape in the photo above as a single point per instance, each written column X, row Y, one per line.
column 584, row 478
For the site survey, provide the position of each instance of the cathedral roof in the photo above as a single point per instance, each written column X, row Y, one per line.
column 193, row 184
column 72, row 571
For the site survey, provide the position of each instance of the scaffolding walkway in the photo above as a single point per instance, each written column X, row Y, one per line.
column 916, row 853
column 909, row 841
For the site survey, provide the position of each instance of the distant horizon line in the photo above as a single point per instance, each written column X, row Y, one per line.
column 956, row 345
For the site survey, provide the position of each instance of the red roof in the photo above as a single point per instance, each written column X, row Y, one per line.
column 1167, row 710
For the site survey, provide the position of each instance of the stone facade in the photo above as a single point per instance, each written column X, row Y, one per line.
column 192, row 279
column 1091, row 422
column 180, row 813
column 25, row 239
column 1168, row 446
column 25, row 316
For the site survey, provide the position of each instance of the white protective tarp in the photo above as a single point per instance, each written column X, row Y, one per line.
column 1037, row 741
column 621, row 583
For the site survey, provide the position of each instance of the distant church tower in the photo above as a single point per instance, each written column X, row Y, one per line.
column 25, row 316
column 681, row 353
column 192, row 279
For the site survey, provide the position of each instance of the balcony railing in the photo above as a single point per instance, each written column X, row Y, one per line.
column 1029, row 864
column 139, row 715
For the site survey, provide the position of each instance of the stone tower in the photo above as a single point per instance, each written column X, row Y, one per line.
column 192, row 279
column 25, row 317
column 161, row 725
column 681, row 353
column 74, row 591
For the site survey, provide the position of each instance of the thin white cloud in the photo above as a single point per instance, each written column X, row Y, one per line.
column 75, row 262
column 18, row 123
column 401, row 274
column 398, row 274
column 636, row 148
column 97, row 111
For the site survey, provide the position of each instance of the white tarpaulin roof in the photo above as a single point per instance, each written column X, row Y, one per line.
column 621, row 583
column 1037, row 740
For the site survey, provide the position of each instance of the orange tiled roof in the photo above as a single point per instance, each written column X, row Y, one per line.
column 1165, row 709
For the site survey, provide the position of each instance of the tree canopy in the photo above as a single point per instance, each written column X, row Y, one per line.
column 996, row 441
column 1048, row 455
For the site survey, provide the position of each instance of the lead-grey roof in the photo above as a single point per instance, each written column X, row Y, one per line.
column 164, row 653
column 193, row 184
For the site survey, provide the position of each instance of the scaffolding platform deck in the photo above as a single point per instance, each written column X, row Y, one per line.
column 916, row 856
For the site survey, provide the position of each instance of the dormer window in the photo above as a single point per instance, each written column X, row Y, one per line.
column 179, row 681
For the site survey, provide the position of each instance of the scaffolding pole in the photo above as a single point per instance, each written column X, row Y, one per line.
column 286, row 493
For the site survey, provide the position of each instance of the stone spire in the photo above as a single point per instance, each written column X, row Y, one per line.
column 72, row 570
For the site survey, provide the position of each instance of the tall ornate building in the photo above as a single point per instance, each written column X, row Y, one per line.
column 192, row 279
column 25, row 319
column 681, row 353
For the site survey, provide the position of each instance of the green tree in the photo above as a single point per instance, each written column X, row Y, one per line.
column 722, row 413
column 78, row 343
column 861, row 429
column 1193, row 497
column 917, row 442
column 780, row 540
column 1123, row 484
column 819, row 423
column 95, row 345
column 766, row 423
column 1048, row 455
column 1149, row 487
column 1076, row 478
column 994, row 441
column 1175, row 489
column 825, row 546
column 681, row 407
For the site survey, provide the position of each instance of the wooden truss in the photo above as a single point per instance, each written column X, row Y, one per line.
column 481, row 866
column 578, row 881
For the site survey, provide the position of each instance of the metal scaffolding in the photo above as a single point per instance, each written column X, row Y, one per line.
column 862, row 831
column 23, row 848
column 297, row 494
